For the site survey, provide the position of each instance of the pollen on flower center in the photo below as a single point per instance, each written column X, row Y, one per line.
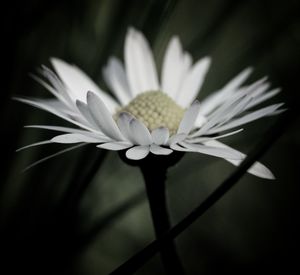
column 155, row 109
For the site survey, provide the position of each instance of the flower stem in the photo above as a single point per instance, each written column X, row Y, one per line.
column 156, row 192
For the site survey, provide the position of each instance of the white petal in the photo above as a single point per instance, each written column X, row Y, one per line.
column 189, row 118
column 238, row 80
column 160, row 135
column 140, row 133
column 200, row 119
column 75, row 138
column 60, row 88
column 140, row 67
column 115, row 146
column 58, row 105
column 177, row 138
column 172, row 68
column 116, row 79
column 34, row 144
column 202, row 139
column 124, row 125
column 102, row 117
column 186, row 64
column 137, row 152
column 222, row 113
column 84, row 110
column 79, row 83
column 255, row 89
column 227, row 105
column 177, row 147
column 263, row 98
column 149, row 63
column 275, row 113
column 261, row 87
column 62, row 129
column 158, row 150
column 226, row 153
column 256, row 169
column 213, row 100
column 247, row 118
column 52, row 156
column 47, row 107
column 193, row 82
column 48, row 87
column 237, row 108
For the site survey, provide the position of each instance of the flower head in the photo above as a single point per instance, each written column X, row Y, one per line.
column 149, row 115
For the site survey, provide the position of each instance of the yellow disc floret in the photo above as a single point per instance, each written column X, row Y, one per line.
column 155, row 109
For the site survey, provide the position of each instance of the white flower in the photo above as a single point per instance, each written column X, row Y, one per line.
column 151, row 115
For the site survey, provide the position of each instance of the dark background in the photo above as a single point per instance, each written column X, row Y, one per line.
column 45, row 230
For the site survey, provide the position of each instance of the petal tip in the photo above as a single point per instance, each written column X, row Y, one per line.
column 196, row 102
column 131, row 31
column 207, row 59
column 269, row 175
column 90, row 95
column 55, row 61
column 126, row 115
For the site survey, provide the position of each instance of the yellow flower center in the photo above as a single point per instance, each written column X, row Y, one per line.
column 155, row 109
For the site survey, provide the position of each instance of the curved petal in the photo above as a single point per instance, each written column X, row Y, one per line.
column 44, row 105
column 160, row 135
column 79, row 83
column 123, row 122
column 34, row 144
column 189, row 118
column 52, row 156
column 102, row 117
column 75, row 138
column 139, row 62
column 263, row 98
column 177, row 147
column 84, row 110
column 247, row 118
column 64, row 129
column 115, row 146
column 177, row 138
column 201, row 120
column 56, row 83
column 196, row 139
column 213, row 100
column 175, row 65
column 137, row 152
column 140, row 133
column 52, row 90
column 116, row 79
column 158, row 150
column 193, row 82
column 256, row 169
column 226, row 153
column 59, row 106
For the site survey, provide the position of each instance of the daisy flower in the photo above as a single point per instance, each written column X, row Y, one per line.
column 150, row 114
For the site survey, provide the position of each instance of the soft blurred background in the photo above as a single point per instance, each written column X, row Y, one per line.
column 55, row 222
